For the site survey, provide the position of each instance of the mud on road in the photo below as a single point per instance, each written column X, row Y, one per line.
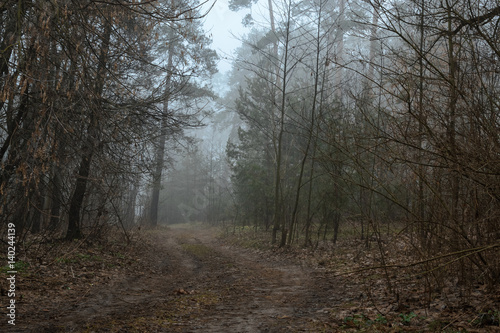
column 190, row 281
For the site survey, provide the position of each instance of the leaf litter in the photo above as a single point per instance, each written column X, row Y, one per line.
column 192, row 280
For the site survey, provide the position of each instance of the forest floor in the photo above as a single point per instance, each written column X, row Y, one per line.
column 185, row 279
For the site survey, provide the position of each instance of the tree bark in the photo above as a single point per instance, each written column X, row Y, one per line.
column 160, row 151
column 279, row 221
column 339, row 53
column 312, row 123
column 76, row 201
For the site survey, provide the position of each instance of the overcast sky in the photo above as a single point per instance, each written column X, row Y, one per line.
column 222, row 24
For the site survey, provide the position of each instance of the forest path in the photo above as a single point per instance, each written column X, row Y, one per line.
column 191, row 281
column 185, row 279
column 255, row 292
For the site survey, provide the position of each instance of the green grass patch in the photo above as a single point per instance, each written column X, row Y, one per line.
column 407, row 317
column 119, row 255
column 19, row 267
column 362, row 323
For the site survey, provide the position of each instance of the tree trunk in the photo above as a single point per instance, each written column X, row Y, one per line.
column 89, row 147
column 56, row 199
column 339, row 53
column 12, row 33
column 131, row 204
column 421, row 169
column 312, row 123
column 160, row 151
column 76, row 201
column 278, row 191
column 451, row 126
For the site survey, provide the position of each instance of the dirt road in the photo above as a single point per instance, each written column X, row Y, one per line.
column 185, row 279
column 190, row 281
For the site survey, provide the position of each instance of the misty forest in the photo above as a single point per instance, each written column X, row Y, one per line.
column 344, row 175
